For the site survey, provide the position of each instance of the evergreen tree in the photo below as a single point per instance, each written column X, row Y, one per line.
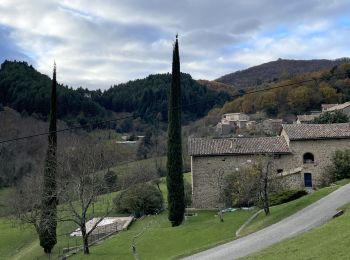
column 48, row 221
column 175, row 182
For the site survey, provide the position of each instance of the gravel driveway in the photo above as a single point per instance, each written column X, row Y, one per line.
column 312, row 216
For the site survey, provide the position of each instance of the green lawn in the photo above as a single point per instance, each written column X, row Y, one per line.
column 13, row 237
column 282, row 211
column 161, row 241
column 17, row 238
column 18, row 241
column 330, row 241
column 146, row 164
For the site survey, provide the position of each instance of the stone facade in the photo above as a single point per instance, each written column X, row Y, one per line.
column 322, row 150
column 232, row 121
column 272, row 126
column 204, row 184
column 306, row 157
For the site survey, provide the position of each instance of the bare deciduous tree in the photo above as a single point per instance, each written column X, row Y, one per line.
column 267, row 179
column 253, row 183
column 82, row 184
column 26, row 200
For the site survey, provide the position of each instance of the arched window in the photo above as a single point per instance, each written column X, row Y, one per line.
column 308, row 158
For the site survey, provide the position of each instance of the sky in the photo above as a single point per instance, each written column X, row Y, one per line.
column 99, row 43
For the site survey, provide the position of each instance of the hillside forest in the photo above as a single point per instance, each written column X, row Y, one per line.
column 27, row 91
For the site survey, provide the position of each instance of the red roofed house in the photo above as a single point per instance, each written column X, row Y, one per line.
column 301, row 153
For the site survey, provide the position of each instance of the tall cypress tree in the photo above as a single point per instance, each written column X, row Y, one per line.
column 175, row 182
column 48, row 221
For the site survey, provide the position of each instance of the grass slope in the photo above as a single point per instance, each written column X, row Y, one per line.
column 18, row 241
column 330, row 241
column 14, row 237
column 161, row 241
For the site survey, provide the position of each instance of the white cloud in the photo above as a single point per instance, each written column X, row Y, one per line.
column 98, row 43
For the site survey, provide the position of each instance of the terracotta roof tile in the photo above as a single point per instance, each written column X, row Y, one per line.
column 327, row 106
column 317, row 131
column 204, row 146
column 339, row 107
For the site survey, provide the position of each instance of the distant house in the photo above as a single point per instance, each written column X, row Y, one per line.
column 325, row 107
column 300, row 154
column 306, row 119
column 232, row 121
column 272, row 126
column 345, row 108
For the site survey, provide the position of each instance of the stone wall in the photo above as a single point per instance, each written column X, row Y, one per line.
column 204, row 175
column 322, row 150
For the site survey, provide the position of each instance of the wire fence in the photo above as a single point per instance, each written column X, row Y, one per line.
column 74, row 244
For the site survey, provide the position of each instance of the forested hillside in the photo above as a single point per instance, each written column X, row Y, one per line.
column 148, row 97
column 218, row 86
column 28, row 91
column 327, row 87
column 277, row 70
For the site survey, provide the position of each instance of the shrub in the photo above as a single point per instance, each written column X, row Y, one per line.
column 139, row 200
column 277, row 198
column 188, row 194
column 331, row 118
column 341, row 164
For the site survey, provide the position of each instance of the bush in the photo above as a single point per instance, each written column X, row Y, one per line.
column 188, row 194
column 277, row 198
column 141, row 199
column 341, row 164
column 331, row 118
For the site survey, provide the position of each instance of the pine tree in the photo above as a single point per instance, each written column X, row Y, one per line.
column 175, row 182
column 48, row 221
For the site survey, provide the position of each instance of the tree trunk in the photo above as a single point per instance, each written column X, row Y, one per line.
column 266, row 198
column 85, row 239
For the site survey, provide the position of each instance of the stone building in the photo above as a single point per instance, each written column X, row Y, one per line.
column 325, row 107
column 345, row 108
column 232, row 121
column 272, row 126
column 306, row 119
column 300, row 154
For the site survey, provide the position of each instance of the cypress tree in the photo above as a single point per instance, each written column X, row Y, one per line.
column 175, row 182
column 48, row 221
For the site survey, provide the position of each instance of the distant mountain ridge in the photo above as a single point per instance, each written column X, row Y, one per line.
column 275, row 70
